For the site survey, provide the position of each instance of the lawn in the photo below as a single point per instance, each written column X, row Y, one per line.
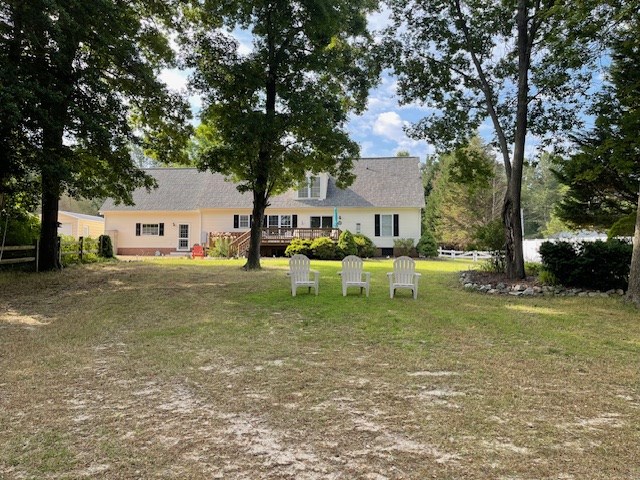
column 197, row 369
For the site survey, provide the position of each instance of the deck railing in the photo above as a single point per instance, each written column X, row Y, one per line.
column 276, row 236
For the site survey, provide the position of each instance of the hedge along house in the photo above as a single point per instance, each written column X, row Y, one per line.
column 189, row 207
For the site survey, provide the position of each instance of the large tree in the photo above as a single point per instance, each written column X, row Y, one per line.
column 464, row 194
column 87, row 71
column 279, row 112
column 523, row 64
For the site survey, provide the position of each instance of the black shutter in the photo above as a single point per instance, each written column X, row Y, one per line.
column 161, row 229
column 377, row 226
column 396, row 225
column 250, row 221
column 137, row 229
column 236, row 221
column 294, row 221
column 264, row 221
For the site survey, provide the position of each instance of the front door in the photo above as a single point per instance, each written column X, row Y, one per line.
column 183, row 236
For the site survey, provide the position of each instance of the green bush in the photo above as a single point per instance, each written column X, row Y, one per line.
column 364, row 246
column 403, row 246
column 598, row 265
column 70, row 250
column 347, row 244
column 324, row 248
column 21, row 229
column 533, row 269
column 547, row 278
column 625, row 227
column 299, row 245
column 105, row 249
column 221, row 247
column 490, row 236
column 427, row 245
column 559, row 259
column 496, row 264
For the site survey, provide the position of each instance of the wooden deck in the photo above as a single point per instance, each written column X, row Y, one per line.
column 276, row 237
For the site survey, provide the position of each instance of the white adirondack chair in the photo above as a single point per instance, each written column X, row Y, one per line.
column 403, row 276
column 353, row 276
column 300, row 274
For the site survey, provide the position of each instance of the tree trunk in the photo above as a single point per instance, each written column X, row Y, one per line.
column 511, row 209
column 633, row 292
column 259, row 206
column 49, row 256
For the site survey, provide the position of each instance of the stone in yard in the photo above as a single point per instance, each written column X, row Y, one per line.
column 493, row 291
column 593, row 294
column 528, row 291
column 582, row 294
column 515, row 294
column 611, row 292
column 620, row 291
column 604, row 295
column 519, row 288
column 501, row 286
column 537, row 290
column 468, row 286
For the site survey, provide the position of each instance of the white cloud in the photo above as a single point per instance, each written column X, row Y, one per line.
column 390, row 125
column 175, row 79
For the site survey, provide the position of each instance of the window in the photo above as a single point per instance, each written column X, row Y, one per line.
column 358, row 228
column 285, row 221
column 321, row 222
column 311, row 188
column 280, row 221
column 387, row 225
column 150, row 229
column 242, row 221
column 85, row 230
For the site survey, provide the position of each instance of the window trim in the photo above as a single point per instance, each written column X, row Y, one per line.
column 306, row 191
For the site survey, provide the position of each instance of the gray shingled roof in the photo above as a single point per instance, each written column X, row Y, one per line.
column 380, row 182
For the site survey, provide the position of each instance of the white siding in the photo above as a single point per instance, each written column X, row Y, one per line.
column 125, row 224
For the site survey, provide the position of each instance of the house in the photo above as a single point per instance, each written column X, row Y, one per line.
column 189, row 206
column 80, row 225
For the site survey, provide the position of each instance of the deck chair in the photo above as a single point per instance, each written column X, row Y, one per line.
column 403, row 276
column 197, row 251
column 300, row 274
column 353, row 276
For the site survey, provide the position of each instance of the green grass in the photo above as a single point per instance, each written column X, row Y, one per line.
column 196, row 369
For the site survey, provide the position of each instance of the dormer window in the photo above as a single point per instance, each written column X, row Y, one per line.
column 310, row 189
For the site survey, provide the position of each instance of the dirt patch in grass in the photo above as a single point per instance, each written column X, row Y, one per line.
column 200, row 370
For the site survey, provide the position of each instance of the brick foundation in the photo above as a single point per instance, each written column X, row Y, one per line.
column 148, row 252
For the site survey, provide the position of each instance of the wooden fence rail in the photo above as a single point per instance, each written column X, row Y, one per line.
column 30, row 257
column 475, row 255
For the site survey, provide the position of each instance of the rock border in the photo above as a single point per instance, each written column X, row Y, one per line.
column 522, row 290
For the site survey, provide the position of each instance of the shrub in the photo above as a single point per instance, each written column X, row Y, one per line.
column 547, row 278
column 532, row 268
column 22, row 229
column 599, row 265
column 490, row 236
column 364, row 245
column 560, row 259
column 324, row 248
column 427, row 245
column 624, row 227
column 496, row 264
column 105, row 248
column 299, row 245
column 403, row 246
column 221, row 247
column 347, row 244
